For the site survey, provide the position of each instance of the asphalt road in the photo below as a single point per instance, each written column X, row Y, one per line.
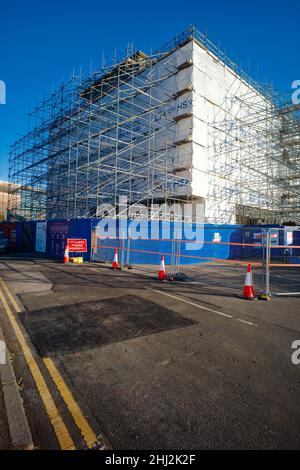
column 156, row 365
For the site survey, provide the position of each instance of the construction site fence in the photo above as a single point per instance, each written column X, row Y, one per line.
column 282, row 261
column 273, row 251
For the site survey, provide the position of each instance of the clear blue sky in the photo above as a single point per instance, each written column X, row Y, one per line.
column 42, row 41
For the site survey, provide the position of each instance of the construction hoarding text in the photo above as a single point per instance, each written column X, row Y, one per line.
column 77, row 245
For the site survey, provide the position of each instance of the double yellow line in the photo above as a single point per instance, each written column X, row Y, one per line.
column 64, row 438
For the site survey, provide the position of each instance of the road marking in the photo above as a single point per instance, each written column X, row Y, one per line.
column 190, row 303
column 11, row 297
column 86, row 431
column 247, row 322
column 286, row 277
column 287, row 293
column 62, row 434
column 200, row 306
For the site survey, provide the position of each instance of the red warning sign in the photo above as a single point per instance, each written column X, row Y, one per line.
column 77, row 245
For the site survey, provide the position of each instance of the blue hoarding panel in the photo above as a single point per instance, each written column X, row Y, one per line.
column 81, row 228
column 144, row 242
column 57, row 234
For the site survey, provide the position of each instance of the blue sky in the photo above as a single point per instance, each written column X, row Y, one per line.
column 42, row 41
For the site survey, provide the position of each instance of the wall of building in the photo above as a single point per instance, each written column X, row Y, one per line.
column 174, row 126
column 3, row 199
column 124, row 142
column 231, row 141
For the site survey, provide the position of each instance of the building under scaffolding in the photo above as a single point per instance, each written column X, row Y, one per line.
column 184, row 124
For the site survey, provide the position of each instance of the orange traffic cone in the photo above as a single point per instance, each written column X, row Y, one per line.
column 162, row 269
column 248, row 292
column 66, row 255
column 115, row 264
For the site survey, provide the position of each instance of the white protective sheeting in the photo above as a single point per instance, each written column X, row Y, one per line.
column 225, row 176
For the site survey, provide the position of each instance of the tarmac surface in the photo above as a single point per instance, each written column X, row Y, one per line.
column 158, row 365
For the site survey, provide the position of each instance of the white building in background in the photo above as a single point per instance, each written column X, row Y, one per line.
column 227, row 139
column 184, row 124
column 4, row 199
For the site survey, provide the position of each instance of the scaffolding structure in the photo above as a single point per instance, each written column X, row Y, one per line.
column 255, row 157
column 97, row 139
column 114, row 133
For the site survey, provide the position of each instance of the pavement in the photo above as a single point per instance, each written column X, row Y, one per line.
column 154, row 365
column 14, row 428
column 4, row 431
